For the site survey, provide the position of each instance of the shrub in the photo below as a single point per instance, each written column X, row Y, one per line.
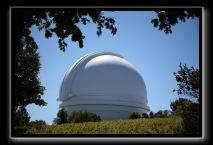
column 37, row 123
column 145, row 115
column 135, row 115
column 20, row 129
column 189, row 111
column 162, row 113
column 151, row 114
column 21, row 117
column 21, row 120
column 83, row 116
column 61, row 117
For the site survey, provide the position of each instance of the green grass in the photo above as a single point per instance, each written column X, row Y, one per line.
column 172, row 125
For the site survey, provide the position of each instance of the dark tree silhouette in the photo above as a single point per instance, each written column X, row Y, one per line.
column 189, row 111
column 162, row 113
column 83, row 116
column 63, row 22
column 21, row 117
column 28, row 88
column 134, row 115
column 37, row 123
column 21, row 120
column 188, row 86
column 188, row 82
column 145, row 115
column 151, row 114
column 62, row 117
column 26, row 85
column 170, row 17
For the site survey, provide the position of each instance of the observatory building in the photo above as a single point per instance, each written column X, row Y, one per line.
column 106, row 84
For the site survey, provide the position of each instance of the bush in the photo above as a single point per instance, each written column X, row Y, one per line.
column 83, row 116
column 61, row 117
column 37, row 123
column 135, row 115
column 21, row 120
column 162, row 114
column 189, row 111
column 21, row 117
column 20, row 129
column 151, row 114
column 145, row 115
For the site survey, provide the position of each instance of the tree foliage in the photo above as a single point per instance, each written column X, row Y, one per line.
column 64, row 23
column 162, row 113
column 37, row 123
column 134, row 115
column 189, row 111
column 145, row 115
column 21, row 117
column 151, row 114
column 21, row 120
column 28, row 87
column 170, row 17
column 75, row 117
column 180, row 106
column 83, row 116
column 188, row 81
column 188, row 85
column 62, row 117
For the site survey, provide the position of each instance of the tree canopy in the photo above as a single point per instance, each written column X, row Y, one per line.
column 62, row 117
column 189, row 111
column 28, row 88
column 188, row 81
column 64, row 23
column 21, row 117
column 161, row 113
column 167, row 19
column 188, row 85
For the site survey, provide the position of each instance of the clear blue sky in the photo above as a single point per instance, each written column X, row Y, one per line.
column 153, row 53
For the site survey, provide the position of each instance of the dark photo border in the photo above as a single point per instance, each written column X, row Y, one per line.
column 121, row 138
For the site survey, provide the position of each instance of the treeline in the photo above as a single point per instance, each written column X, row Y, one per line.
column 75, row 117
column 151, row 114
column 86, row 116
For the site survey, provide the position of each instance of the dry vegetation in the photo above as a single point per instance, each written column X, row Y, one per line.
column 171, row 125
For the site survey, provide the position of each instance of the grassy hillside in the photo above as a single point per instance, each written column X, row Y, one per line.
column 171, row 125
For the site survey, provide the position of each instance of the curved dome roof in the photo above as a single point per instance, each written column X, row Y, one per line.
column 103, row 74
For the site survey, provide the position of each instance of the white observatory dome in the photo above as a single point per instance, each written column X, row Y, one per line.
column 106, row 84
